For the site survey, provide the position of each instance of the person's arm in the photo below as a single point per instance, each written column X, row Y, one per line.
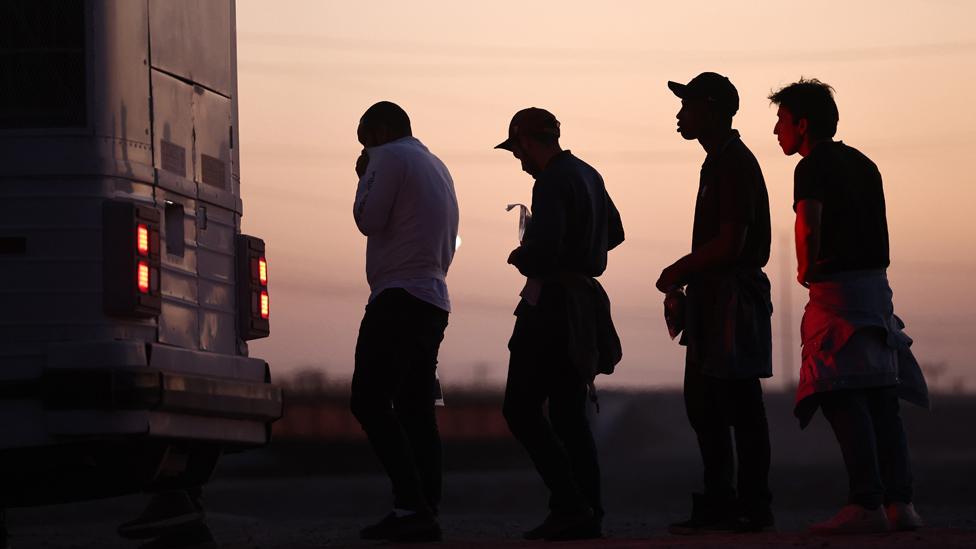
column 736, row 211
column 615, row 228
column 807, row 233
column 539, row 252
column 377, row 191
column 717, row 252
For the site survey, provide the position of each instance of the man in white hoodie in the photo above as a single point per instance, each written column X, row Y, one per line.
column 406, row 206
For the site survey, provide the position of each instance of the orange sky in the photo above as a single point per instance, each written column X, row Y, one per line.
column 904, row 75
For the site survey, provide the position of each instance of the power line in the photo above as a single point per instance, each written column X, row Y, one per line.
column 567, row 54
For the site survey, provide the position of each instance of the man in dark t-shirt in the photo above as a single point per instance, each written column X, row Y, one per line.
column 854, row 229
column 856, row 359
column 727, row 315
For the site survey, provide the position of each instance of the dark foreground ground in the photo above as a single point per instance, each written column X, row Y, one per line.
column 318, row 494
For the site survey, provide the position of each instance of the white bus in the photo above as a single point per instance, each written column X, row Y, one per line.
column 127, row 291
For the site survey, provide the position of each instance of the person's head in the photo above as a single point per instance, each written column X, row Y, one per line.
column 382, row 123
column 708, row 103
column 533, row 138
column 807, row 114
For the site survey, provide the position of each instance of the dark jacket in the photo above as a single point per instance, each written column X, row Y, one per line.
column 727, row 325
column 574, row 224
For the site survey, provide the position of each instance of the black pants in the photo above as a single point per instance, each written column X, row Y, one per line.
column 872, row 440
column 561, row 446
column 715, row 405
column 393, row 394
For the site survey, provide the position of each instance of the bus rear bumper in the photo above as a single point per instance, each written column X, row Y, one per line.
column 130, row 388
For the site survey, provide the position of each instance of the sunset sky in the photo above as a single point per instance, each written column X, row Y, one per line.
column 905, row 75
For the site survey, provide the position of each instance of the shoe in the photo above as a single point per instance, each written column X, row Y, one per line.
column 707, row 517
column 903, row 516
column 192, row 536
column 587, row 529
column 415, row 528
column 565, row 526
column 380, row 530
column 166, row 511
column 854, row 519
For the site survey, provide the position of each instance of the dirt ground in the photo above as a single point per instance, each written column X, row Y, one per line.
column 488, row 509
column 318, row 494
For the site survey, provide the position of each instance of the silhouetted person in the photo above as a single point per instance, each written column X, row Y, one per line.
column 563, row 333
column 856, row 360
column 406, row 206
column 728, row 308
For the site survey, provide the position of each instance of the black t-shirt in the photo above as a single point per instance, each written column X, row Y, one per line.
column 732, row 190
column 853, row 227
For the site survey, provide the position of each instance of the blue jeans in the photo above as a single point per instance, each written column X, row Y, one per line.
column 872, row 440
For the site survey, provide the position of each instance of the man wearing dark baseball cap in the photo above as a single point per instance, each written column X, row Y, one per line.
column 532, row 122
column 563, row 333
column 716, row 90
column 727, row 314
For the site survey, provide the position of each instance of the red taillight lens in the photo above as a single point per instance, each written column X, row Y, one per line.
column 142, row 239
column 143, row 277
column 265, row 305
column 254, row 305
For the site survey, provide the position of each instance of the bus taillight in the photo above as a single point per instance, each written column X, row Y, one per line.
column 265, row 305
column 131, row 259
column 142, row 280
column 142, row 239
column 253, row 301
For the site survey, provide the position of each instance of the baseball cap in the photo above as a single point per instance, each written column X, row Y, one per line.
column 712, row 87
column 530, row 121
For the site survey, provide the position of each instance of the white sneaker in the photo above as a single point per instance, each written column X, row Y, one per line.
column 854, row 519
column 903, row 516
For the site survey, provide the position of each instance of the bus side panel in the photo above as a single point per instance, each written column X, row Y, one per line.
column 119, row 78
column 192, row 39
column 173, row 127
column 212, row 125
column 178, row 324
column 212, row 122
column 218, row 315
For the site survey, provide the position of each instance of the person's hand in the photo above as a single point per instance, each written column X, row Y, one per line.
column 362, row 162
column 511, row 256
column 669, row 280
column 805, row 274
